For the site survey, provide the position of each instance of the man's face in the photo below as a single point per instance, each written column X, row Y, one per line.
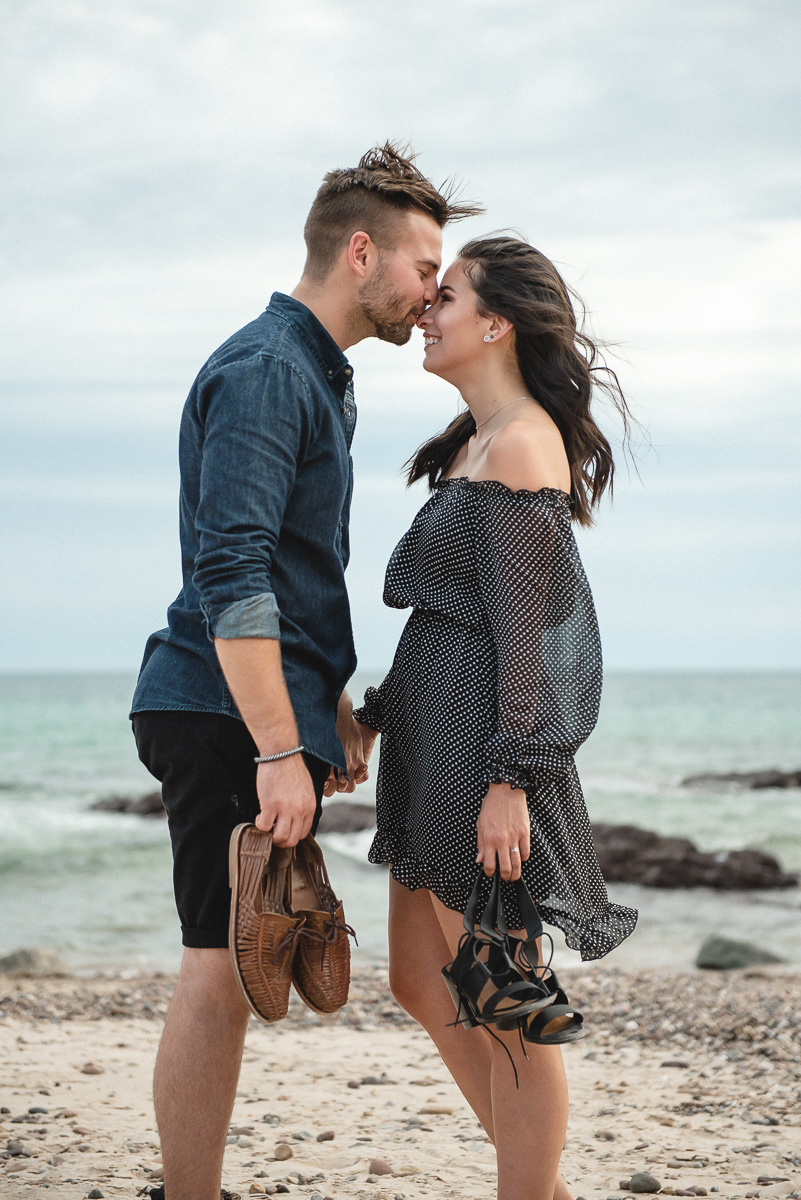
column 404, row 281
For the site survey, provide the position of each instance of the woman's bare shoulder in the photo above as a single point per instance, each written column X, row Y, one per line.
column 528, row 454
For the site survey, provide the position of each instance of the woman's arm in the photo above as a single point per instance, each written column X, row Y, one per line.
column 541, row 620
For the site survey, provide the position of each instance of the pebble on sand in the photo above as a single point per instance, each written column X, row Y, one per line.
column 379, row 1167
column 91, row 1068
column 326, row 1136
column 95, row 1194
column 283, row 1152
column 644, row 1181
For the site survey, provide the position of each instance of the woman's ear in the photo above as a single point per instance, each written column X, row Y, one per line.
column 498, row 329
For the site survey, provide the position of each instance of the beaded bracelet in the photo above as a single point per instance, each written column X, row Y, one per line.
column 275, row 757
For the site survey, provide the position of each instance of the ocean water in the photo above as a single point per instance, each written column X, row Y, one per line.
column 97, row 887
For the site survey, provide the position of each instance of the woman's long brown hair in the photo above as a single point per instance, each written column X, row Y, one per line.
column 560, row 364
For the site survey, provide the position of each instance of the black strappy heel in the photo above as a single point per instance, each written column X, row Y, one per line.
column 555, row 1023
column 486, row 985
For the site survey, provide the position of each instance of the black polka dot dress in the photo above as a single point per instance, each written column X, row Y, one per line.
column 497, row 678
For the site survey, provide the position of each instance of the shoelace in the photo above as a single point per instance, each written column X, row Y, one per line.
column 336, row 927
column 290, row 940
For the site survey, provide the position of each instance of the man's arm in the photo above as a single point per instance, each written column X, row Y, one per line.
column 256, row 422
column 253, row 671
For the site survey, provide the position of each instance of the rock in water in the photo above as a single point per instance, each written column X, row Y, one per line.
column 345, row 817
column 644, row 1181
column 747, row 779
column 631, row 855
column 722, row 954
column 30, row 963
column 143, row 806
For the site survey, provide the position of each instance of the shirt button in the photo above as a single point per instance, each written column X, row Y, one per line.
column 329, row 374
column 348, row 372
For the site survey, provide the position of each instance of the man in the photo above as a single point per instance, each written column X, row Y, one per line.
column 259, row 646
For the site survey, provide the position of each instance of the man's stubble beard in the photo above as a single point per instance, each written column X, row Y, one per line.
column 386, row 311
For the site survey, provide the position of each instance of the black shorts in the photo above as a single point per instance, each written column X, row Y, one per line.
column 205, row 765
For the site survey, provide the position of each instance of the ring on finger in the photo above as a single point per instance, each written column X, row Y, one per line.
column 515, row 850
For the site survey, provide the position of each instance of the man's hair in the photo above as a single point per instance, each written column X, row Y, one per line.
column 372, row 197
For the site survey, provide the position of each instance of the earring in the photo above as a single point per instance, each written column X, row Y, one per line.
column 488, row 337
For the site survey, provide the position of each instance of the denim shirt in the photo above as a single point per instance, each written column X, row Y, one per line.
column 266, row 483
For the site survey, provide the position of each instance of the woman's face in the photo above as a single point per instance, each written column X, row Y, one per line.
column 453, row 327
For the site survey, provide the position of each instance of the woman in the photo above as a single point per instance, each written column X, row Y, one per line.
column 497, row 676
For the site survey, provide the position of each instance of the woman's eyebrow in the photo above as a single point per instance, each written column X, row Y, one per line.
column 446, row 287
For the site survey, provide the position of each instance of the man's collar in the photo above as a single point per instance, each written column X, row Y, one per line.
column 314, row 333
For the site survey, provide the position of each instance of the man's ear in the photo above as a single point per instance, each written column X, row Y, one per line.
column 361, row 254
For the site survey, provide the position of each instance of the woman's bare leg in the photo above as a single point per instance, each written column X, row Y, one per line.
column 417, row 953
column 531, row 1121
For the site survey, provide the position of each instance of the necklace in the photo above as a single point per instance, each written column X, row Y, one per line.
column 502, row 406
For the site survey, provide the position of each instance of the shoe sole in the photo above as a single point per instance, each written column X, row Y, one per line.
column 233, row 881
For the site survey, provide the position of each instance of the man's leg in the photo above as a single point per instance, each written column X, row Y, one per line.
column 205, row 765
column 197, row 1069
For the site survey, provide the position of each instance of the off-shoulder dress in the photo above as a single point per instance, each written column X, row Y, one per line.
column 496, row 678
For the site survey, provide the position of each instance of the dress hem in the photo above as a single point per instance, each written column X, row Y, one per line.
column 593, row 938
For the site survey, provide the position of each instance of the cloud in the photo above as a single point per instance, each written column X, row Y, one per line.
column 159, row 162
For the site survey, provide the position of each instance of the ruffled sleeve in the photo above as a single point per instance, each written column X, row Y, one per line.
column 540, row 612
column 371, row 711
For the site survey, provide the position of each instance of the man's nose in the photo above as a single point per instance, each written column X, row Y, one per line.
column 431, row 290
column 425, row 317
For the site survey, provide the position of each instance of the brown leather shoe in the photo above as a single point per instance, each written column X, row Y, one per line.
column 321, row 969
column 263, row 930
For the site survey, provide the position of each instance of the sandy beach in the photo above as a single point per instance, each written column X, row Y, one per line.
column 693, row 1077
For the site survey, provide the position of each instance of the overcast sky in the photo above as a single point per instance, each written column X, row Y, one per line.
column 159, row 160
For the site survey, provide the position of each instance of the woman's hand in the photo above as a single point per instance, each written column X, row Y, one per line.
column 503, row 827
column 357, row 746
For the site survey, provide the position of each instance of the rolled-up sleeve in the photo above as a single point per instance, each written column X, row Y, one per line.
column 257, row 421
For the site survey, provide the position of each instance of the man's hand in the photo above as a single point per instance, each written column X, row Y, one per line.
column 253, row 671
column 504, row 830
column 287, row 800
column 357, row 742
